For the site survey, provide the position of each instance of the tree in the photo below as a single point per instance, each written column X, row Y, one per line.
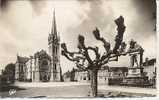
column 82, row 57
column 9, row 72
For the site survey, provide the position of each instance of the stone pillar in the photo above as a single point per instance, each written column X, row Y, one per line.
column 37, row 76
column 141, row 61
column 58, row 72
column 36, row 71
column 131, row 62
column 51, row 75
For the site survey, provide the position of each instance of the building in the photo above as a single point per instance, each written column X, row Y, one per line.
column 82, row 76
column 20, row 68
column 106, row 75
column 118, row 72
column 42, row 66
column 150, row 69
column 117, row 75
column 103, row 75
column 69, row 75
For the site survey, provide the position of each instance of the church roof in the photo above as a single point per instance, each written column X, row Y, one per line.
column 53, row 36
column 54, row 28
column 22, row 59
column 42, row 54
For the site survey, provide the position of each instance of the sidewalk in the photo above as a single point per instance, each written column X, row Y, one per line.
column 129, row 89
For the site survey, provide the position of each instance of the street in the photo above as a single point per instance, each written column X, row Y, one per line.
column 49, row 90
column 72, row 89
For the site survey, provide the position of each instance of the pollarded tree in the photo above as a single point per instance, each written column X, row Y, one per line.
column 82, row 57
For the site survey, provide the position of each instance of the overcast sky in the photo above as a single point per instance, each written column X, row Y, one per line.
column 26, row 24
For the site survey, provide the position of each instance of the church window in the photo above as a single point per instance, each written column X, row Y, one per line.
column 55, row 66
column 55, row 50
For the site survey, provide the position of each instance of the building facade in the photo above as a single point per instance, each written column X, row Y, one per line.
column 21, row 68
column 42, row 66
column 103, row 75
column 82, row 76
column 150, row 70
column 106, row 75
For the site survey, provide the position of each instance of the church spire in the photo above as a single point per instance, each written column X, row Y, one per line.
column 54, row 29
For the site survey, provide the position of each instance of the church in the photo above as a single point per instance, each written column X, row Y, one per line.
column 42, row 66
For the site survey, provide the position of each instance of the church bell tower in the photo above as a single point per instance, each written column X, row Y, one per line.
column 54, row 52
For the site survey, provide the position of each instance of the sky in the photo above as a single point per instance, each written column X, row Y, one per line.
column 26, row 24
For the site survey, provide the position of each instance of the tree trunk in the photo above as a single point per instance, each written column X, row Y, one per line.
column 94, row 84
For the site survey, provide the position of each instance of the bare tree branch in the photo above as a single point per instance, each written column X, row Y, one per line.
column 74, row 56
column 119, row 37
column 67, row 56
column 96, row 51
column 81, row 45
column 106, row 45
column 64, row 47
column 122, row 47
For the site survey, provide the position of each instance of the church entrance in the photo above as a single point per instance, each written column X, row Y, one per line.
column 44, row 71
column 44, row 77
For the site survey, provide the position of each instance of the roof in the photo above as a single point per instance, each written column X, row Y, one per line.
column 125, row 69
column 22, row 59
column 54, row 29
column 41, row 54
column 104, row 67
column 149, row 62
